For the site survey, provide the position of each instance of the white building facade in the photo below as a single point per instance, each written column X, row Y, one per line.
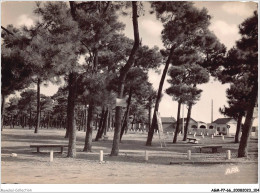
column 224, row 126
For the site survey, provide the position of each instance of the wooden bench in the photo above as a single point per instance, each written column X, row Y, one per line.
column 192, row 140
column 48, row 146
column 213, row 147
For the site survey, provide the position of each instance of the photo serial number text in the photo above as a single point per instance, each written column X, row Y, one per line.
column 235, row 190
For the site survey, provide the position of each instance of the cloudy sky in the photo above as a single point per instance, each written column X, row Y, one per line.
column 226, row 16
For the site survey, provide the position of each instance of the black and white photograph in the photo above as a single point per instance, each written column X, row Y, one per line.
column 147, row 96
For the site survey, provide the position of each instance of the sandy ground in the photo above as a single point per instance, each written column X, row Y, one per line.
column 127, row 168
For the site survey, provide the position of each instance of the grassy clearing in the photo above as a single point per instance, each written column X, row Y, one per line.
column 129, row 167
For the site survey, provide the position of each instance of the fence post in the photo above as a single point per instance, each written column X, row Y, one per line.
column 228, row 154
column 101, row 156
column 189, row 154
column 146, row 155
column 51, row 156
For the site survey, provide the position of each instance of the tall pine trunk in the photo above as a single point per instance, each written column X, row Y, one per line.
column 108, row 123
column 124, row 124
column 30, row 123
column 123, row 73
column 149, row 113
column 38, row 117
column 85, row 117
column 177, row 124
column 48, row 120
column 113, row 123
column 81, row 120
column 126, row 114
column 187, row 122
column 23, row 121
column 132, row 126
column 101, row 121
column 96, row 122
column 242, row 150
column 158, row 99
column 88, row 138
column 10, row 121
column 71, row 128
column 239, row 120
column 2, row 111
column 104, row 125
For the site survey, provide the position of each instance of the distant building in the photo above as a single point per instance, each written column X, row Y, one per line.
column 225, row 126
column 193, row 125
column 202, row 125
column 168, row 123
column 197, row 127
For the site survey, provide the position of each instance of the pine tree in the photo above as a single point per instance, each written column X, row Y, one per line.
column 182, row 24
column 123, row 72
column 15, row 73
column 237, row 96
column 39, row 53
column 98, row 23
column 12, row 110
column 184, row 79
column 197, row 75
column 27, row 104
column 63, row 33
column 242, row 63
column 59, row 107
column 139, row 91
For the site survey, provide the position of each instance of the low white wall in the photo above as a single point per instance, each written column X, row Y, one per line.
column 203, row 131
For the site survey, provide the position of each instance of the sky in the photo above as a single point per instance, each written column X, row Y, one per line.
column 226, row 17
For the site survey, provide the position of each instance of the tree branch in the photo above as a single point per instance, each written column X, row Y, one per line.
column 105, row 9
column 10, row 33
column 130, row 61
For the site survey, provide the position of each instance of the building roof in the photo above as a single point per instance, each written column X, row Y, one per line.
column 185, row 119
column 168, row 119
column 223, row 120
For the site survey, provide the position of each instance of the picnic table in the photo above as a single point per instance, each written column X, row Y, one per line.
column 38, row 146
column 213, row 147
column 192, row 140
